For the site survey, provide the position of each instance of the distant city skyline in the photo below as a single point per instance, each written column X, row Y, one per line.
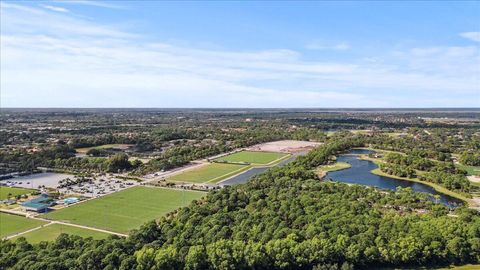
column 240, row 54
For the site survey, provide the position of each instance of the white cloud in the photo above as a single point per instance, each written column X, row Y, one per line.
column 54, row 8
column 90, row 3
column 52, row 59
column 23, row 20
column 321, row 46
column 475, row 36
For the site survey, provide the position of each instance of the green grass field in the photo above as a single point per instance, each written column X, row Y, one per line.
column 212, row 173
column 335, row 167
column 471, row 170
column 126, row 210
column 252, row 157
column 11, row 224
column 4, row 191
column 51, row 232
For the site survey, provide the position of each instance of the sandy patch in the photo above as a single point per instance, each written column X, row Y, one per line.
column 474, row 178
column 286, row 146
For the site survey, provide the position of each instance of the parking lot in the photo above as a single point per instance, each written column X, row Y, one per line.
column 95, row 188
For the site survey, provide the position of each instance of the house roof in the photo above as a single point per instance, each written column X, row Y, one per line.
column 41, row 202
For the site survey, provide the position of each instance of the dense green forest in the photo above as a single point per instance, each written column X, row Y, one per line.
column 282, row 219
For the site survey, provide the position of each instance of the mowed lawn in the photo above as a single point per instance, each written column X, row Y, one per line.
column 13, row 191
column 51, row 232
column 211, row 173
column 11, row 224
column 252, row 157
column 127, row 209
column 471, row 170
column 335, row 167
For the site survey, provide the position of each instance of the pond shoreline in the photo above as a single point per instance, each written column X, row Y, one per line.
column 365, row 171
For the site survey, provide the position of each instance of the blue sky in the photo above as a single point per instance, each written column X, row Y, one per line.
column 239, row 54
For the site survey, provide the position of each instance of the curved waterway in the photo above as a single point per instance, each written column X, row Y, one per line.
column 360, row 173
column 245, row 176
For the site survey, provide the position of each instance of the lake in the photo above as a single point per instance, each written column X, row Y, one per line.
column 360, row 173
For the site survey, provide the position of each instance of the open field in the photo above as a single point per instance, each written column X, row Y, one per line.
column 252, row 157
column 84, row 150
column 126, row 210
column 471, row 170
column 4, row 191
column 11, row 224
column 287, row 146
column 51, row 232
column 212, row 173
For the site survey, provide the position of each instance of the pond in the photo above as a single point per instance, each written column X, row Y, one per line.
column 360, row 173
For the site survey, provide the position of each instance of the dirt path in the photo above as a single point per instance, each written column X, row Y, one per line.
column 79, row 226
column 27, row 231
column 90, row 228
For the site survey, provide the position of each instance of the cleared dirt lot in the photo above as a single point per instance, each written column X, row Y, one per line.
column 33, row 181
column 285, row 146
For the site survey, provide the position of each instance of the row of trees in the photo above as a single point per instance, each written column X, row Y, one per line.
column 398, row 170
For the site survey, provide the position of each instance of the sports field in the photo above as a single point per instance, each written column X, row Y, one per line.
column 252, row 157
column 5, row 191
column 211, row 173
column 51, row 232
column 126, row 210
column 11, row 224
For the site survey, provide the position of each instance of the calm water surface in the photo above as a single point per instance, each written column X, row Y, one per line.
column 360, row 173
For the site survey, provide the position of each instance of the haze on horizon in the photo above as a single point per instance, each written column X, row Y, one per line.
column 239, row 54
